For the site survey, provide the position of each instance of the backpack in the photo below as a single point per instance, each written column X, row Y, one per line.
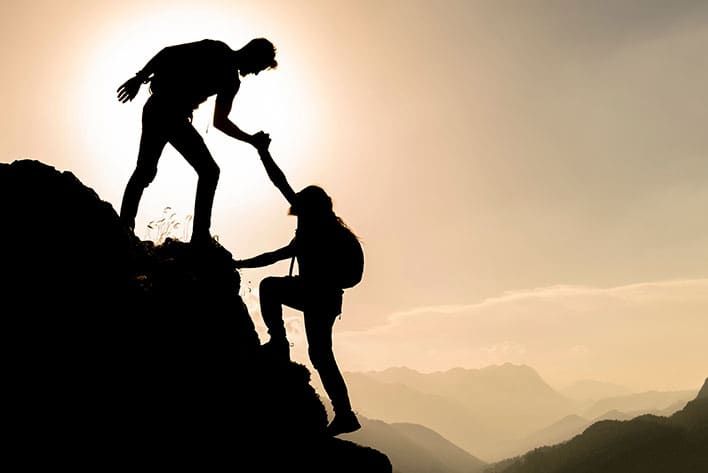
column 347, row 259
column 349, row 268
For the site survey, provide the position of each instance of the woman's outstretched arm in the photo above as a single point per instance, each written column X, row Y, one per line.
column 266, row 259
column 276, row 175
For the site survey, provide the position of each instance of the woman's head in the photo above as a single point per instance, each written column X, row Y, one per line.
column 312, row 202
column 313, row 208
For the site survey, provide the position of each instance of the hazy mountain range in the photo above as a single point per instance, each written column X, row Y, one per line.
column 647, row 444
column 499, row 411
column 413, row 448
column 673, row 431
column 572, row 425
column 640, row 403
column 589, row 390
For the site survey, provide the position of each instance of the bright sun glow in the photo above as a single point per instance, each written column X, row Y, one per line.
column 274, row 101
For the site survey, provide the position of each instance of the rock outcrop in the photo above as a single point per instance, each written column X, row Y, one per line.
column 120, row 354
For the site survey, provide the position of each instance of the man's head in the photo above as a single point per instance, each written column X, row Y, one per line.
column 256, row 56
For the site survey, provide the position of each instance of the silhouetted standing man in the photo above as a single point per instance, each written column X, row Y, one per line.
column 182, row 77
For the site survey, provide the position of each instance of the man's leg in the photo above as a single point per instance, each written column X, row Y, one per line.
column 190, row 144
column 152, row 142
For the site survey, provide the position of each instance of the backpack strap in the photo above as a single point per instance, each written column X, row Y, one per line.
column 292, row 260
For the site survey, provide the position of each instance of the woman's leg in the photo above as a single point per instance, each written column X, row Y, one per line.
column 318, row 327
column 274, row 293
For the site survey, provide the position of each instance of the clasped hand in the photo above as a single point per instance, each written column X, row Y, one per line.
column 261, row 141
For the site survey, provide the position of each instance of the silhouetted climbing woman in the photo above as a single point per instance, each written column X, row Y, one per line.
column 316, row 291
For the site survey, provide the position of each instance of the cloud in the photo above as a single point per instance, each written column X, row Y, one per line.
column 650, row 334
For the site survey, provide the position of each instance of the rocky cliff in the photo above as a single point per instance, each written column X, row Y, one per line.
column 120, row 354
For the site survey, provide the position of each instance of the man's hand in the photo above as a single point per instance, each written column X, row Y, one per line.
column 261, row 141
column 129, row 89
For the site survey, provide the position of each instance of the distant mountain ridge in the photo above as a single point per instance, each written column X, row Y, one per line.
column 482, row 410
column 647, row 444
column 472, row 386
column 573, row 425
column 588, row 390
column 557, row 432
column 646, row 401
column 414, row 448
column 395, row 402
column 703, row 393
column 454, row 458
column 498, row 411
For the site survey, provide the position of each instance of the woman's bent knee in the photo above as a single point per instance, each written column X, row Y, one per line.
column 268, row 285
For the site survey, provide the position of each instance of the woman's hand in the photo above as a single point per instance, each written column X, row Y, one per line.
column 261, row 141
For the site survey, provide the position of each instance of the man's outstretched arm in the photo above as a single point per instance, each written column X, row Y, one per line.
column 266, row 258
column 276, row 175
column 222, row 108
column 129, row 89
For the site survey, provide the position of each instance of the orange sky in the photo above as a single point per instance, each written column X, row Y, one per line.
column 484, row 151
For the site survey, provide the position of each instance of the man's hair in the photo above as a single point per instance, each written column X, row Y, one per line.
column 262, row 51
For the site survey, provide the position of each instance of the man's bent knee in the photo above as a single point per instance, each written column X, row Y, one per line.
column 209, row 173
column 144, row 176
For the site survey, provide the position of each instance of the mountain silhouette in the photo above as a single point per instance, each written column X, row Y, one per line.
column 395, row 403
column 648, row 444
column 492, row 393
column 454, row 458
column 649, row 401
column 557, row 432
column 413, row 448
column 499, row 411
column 488, row 412
column 572, row 425
column 588, row 390
column 121, row 354
column 703, row 393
